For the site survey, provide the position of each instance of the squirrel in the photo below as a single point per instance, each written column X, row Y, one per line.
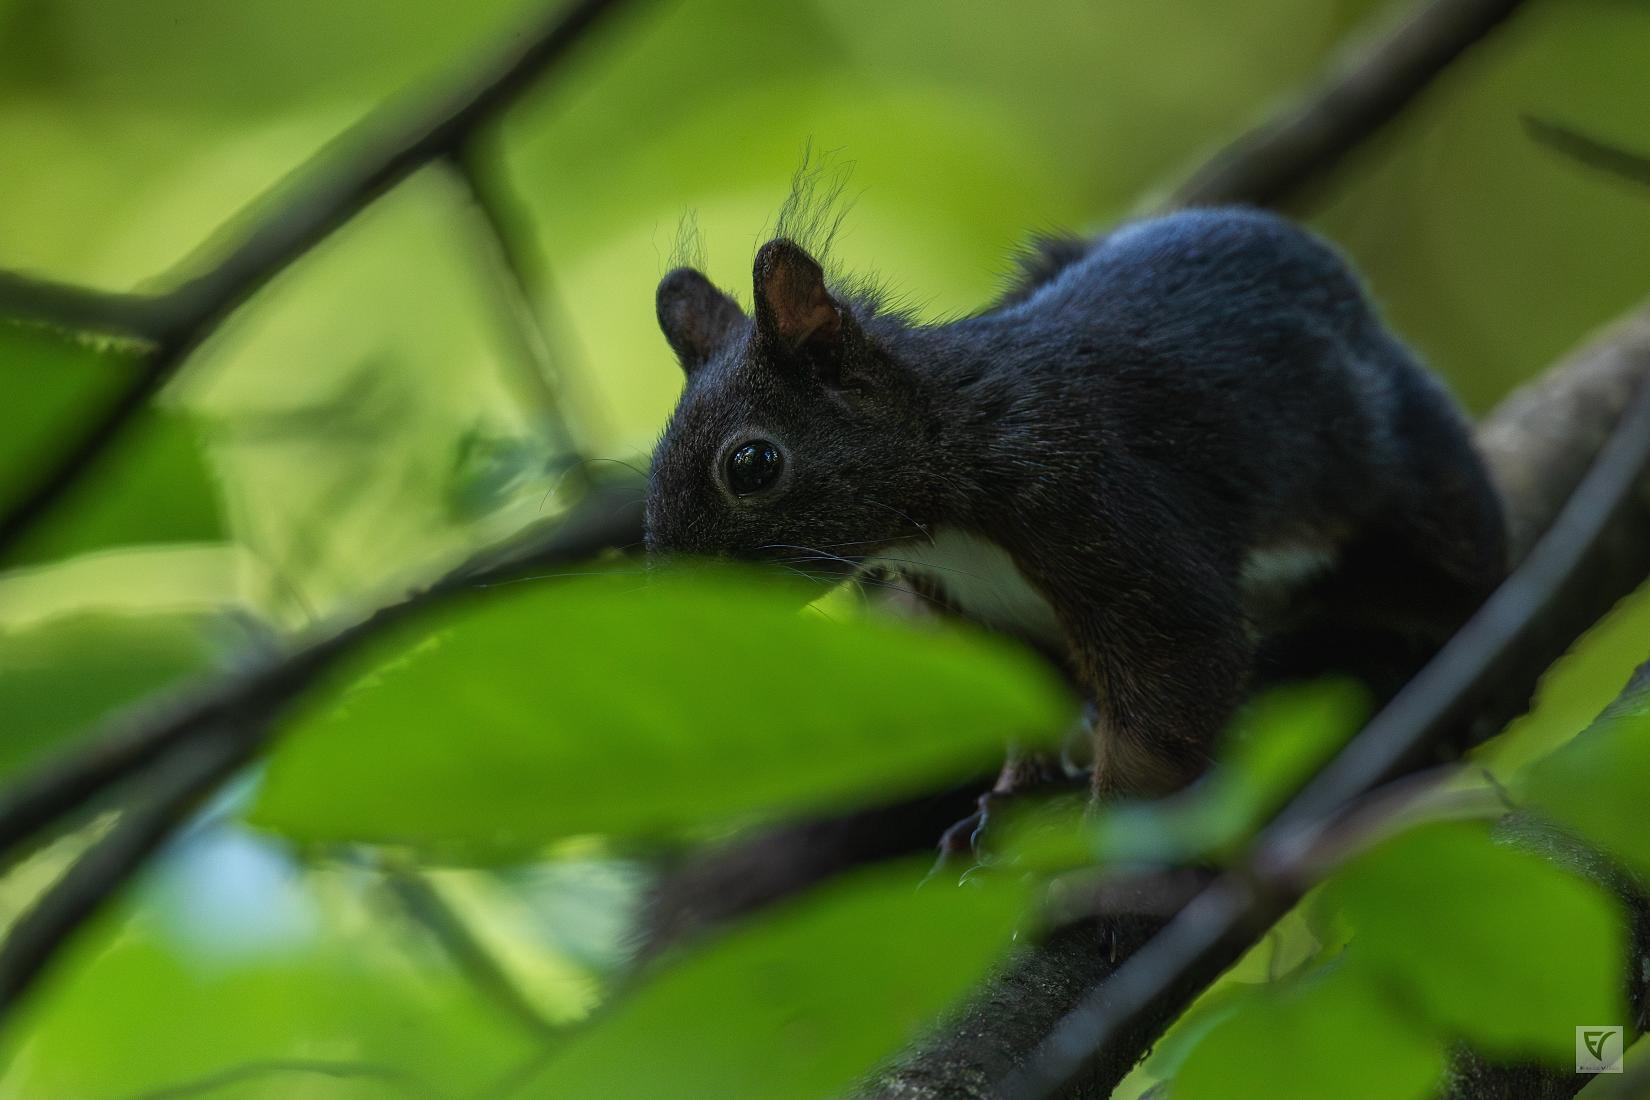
column 1177, row 457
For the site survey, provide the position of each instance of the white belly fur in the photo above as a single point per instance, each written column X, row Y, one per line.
column 1272, row 574
column 979, row 579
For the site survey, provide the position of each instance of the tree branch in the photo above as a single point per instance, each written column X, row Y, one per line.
column 1443, row 701
column 335, row 184
column 1303, row 143
column 144, row 317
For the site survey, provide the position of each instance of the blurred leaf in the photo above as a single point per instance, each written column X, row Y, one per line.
column 1328, row 1034
column 134, row 1011
column 800, row 1003
column 151, row 487
column 1597, row 786
column 1284, row 953
column 1494, row 943
column 48, row 378
column 151, row 125
column 413, row 431
column 1573, row 689
column 606, row 704
column 59, row 676
column 707, row 109
column 1212, row 1008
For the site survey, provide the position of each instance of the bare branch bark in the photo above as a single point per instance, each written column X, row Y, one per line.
column 1303, row 143
column 335, row 184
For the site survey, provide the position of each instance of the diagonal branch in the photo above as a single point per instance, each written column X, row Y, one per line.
column 144, row 317
column 1541, row 444
column 1304, row 142
column 610, row 517
column 172, row 791
column 177, row 754
column 335, row 184
column 1437, row 707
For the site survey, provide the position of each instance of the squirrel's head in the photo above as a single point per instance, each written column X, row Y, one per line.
column 795, row 439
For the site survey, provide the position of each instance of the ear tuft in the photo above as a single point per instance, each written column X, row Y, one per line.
column 695, row 317
column 792, row 304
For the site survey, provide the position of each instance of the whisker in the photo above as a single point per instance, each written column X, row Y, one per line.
column 928, row 565
column 873, row 542
column 823, row 555
column 907, row 518
column 576, row 467
column 631, row 466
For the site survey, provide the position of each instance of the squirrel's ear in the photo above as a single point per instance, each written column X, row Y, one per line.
column 792, row 304
column 694, row 316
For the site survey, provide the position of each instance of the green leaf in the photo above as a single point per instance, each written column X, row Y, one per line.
column 152, row 486
column 1328, row 1034
column 1596, row 785
column 609, row 705
column 1276, row 741
column 1494, row 943
column 59, row 676
column 801, row 1003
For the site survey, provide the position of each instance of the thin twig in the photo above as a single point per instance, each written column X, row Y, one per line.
column 424, row 904
column 1622, row 163
column 335, row 184
column 1209, row 934
column 504, row 231
column 1303, row 143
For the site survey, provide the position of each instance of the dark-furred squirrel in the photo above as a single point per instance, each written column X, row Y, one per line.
column 1174, row 457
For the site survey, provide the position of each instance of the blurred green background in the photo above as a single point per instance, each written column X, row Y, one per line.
column 374, row 413
column 379, row 374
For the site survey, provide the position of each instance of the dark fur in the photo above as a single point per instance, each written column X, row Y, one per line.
column 1129, row 422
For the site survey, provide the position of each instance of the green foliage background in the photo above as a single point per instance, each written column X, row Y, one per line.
column 374, row 414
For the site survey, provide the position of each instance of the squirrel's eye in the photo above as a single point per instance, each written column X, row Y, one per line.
column 753, row 467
